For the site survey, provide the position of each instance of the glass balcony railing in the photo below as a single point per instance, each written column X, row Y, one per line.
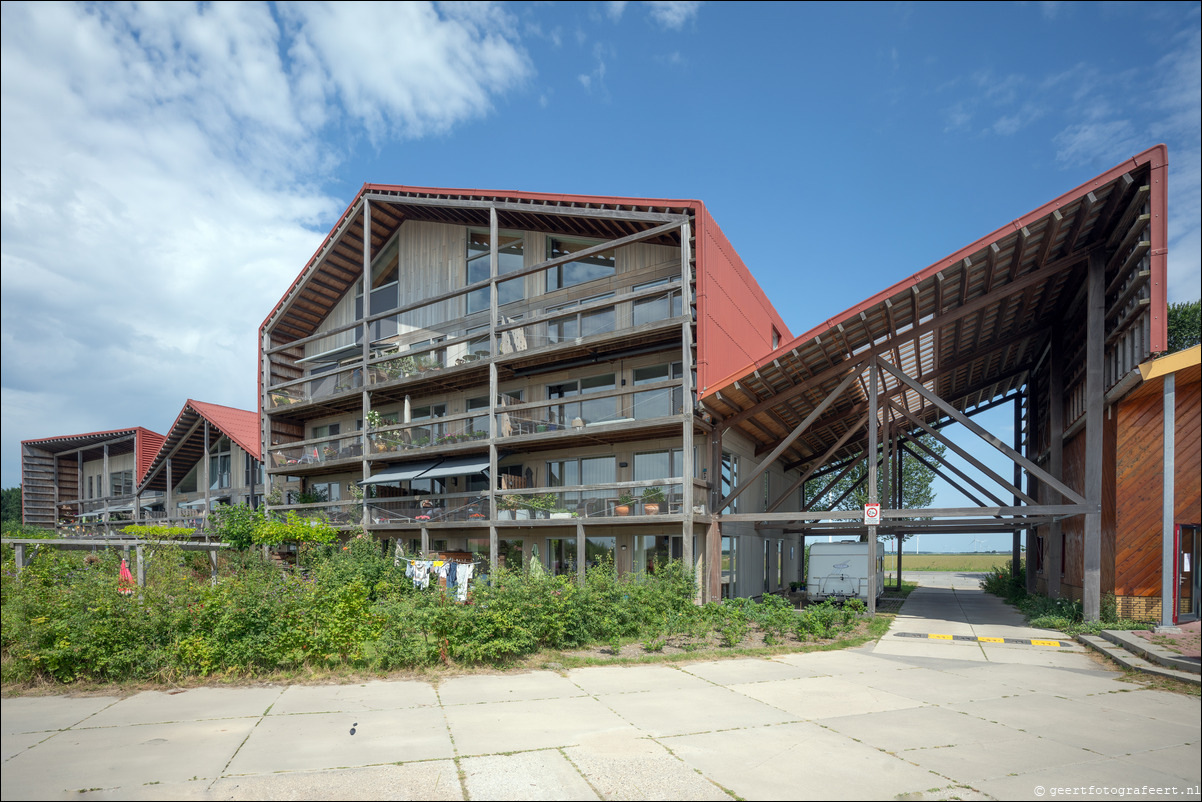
column 425, row 434
column 314, row 452
column 578, row 413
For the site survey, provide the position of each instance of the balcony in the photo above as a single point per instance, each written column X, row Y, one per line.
column 322, row 453
column 613, row 411
column 546, row 323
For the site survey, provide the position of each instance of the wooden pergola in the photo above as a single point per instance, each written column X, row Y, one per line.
column 1051, row 314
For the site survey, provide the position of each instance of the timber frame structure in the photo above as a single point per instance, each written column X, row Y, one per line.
column 1051, row 314
column 80, row 477
column 399, row 358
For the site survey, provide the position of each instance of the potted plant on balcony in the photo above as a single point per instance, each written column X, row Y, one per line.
column 625, row 501
column 653, row 497
column 544, row 504
column 506, row 506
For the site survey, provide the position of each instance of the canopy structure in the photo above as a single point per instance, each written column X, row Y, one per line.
column 429, row 469
column 1051, row 313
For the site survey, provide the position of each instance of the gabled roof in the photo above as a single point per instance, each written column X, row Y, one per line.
column 972, row 326
column 184, row 443
column 338, row 264
column 144, row 443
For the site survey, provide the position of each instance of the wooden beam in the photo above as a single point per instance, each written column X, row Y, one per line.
column 980, row 432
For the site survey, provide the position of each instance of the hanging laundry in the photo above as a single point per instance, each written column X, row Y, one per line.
column 125, row 580
column 464, row 576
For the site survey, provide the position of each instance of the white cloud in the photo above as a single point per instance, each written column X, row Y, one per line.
column 615, row 8
column 159, row 177
column 673, row 14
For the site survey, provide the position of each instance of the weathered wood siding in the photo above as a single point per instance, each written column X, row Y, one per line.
column 1139, row 480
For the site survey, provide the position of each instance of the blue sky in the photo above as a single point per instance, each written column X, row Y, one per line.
column 168, row 169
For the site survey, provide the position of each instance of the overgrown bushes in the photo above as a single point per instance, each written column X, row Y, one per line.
column 1062, row 615
column 350, row 608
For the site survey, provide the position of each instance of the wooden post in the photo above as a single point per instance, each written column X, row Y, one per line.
column 365, row 400
column 108, row 484
column 1094, row 401
column 208, row 477
column 169, row 498
column 494, row 268
column 1016, row 538
column 141, row 565
column 1054, row 566
column 687, row 367
column 581, row 543
column 425, row 541
column 1168, row 545
column 873, row 424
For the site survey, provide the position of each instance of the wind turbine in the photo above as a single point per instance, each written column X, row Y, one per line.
column 975, row 542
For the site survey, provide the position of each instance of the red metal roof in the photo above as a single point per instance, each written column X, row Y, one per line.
column 185, row 442
column 146, row 444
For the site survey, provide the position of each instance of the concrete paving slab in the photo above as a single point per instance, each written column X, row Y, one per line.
column 544, row 774
column 970, row 763
column 507, row 688
column 660, row 713
column 194, row 789
column 18, row 742
column 800, row 759
column 935, row 687
column 845, row 661
column 196, row 704
column 917, row 728
column 1068, row 682
column 1072, row 722
column 354, row 698
column 1077, row 780
column 824, row 697
column 493, row 727
column 324, row 740
column 728, row 672
column 1036, row 656
column 1158, row 705
column 600, row 680
column 434, row 779
column 48, row 713
column 624, row 767
column 1180, row 762
column 120, row 756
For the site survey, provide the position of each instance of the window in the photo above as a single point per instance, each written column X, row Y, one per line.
column 577, row 271
column 729, row 549
column 219, row 464
column 325, row 491
column 583, row 471
column 662, row 402
column 775, row 338
column 581, row 324
column 510, row 258
column 656, row 307
column 650, row 465
column 597, row 410
column 730, row 479
column 252, row 471
column 120, row 482
column 90, row 494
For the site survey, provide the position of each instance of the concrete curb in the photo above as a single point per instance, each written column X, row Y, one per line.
column 1150, row 651
column 1129, row 660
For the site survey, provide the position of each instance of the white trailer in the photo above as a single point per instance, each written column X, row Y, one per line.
column 840, row 571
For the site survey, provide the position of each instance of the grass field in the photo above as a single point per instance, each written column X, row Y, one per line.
column 945, row 562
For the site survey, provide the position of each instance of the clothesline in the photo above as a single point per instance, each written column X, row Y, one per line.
column 456, row 574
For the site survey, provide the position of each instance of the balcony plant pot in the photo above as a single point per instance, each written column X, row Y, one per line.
column 561, row 515
column 622, row 509
column 521, row 515
column 505, row 515
column 650, row 508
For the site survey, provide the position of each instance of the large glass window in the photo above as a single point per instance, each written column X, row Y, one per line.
column 656, row 307
column 664, row 401
column 596, row 410
column 510, row 259
column 729, row 552
column 121, row 483
column 252, row 471
column 584, row 471
column 665, row 464
column 577, row 271
column 219, row 464
column 581, row 324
